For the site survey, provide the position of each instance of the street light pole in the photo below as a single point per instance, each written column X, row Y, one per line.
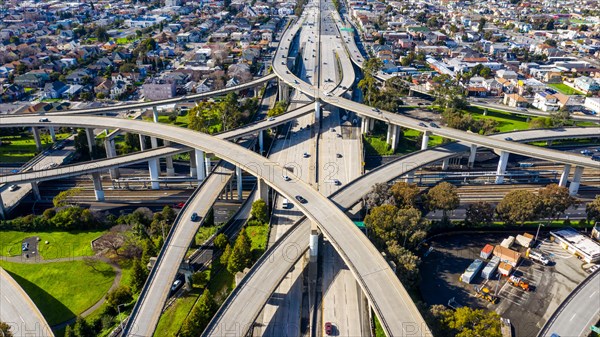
column 538, row 231
column 120, row 317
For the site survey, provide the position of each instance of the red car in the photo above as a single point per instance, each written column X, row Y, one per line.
column 328, row 328
column 179, row 205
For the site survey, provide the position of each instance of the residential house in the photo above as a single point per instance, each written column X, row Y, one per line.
column 586, row 84
column 515, row 100
column 12, row 93
column 104, row 88
column 157, row 91
column 593, row 104
column 54, row 90
column 118, row 88
column 79, row 76
column 72, row 91
column 506, row 74
column 493, row 87
column 32, row 79
column 545, row 101
column 530, row 86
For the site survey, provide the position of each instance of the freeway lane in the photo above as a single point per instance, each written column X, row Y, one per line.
column 579, row 314
column 19, row 311
column 393, row 306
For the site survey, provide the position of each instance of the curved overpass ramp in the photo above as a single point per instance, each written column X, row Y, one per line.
column 241, row 308
column 392, row 304
column 18, row 310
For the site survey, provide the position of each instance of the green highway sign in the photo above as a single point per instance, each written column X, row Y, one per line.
column 595, row 329
column 347, row 29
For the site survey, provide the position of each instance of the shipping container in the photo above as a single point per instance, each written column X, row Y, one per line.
column 508, row 242
column 472, row 271
column 490, row 268
column 523, row 241
column 504, row 268
column 486, row 252
column 507, row 255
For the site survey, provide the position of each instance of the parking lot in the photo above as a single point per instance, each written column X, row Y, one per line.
column 528, row 311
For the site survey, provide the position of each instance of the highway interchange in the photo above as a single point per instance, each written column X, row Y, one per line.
column 375, row 278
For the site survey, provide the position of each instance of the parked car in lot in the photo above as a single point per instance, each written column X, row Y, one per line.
column 25, row 246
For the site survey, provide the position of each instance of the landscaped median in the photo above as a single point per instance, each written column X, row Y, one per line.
column 60, row 244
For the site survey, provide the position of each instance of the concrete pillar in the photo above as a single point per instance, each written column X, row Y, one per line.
column 155, row 114
column 549, row 142
column 207, row 164
column 388, row 137
column 283, row 92
column 317, row 109
column 313, row 245
column 502, row 162
column 3, row 213
column 364, row 124
column 36, row 137
column 36, row 191
column 111, row 152
column 52, row 134
column 98, row 191
column 574, row 187
column 199, row 161
column 263, row 190
column 410, row 177
column 91, row 139
column 472, row 155
column 238, row 178
column 193, row 171
column 395, row 137
column 425, row 140
column 169, row 160
column 371, row 124
column 154, row 142
column 445, row 164
column 153, row 166
column 142, row 143
column 261, row 141
column 564, row 177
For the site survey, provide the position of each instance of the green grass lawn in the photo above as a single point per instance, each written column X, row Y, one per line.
column 259, row 235
column 21, row 148
column 181, row 120
column 565, row 89
column 506, row 121
column 61, row 244
column 204, row 233
column 172, row 318
column 62, row 290
column 378, row 328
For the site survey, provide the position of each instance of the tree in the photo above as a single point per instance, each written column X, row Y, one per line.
column 200, row 279
column 226, row 254
column 139, row 273
column 61, row 198
column 221, row 241
column 555, row 200
column 406, row 195
column 5, row 330
column 467, row 322
column 560, row 118
column 480, row 213
column 443, row 196
column 82, row 328
column 127, row 68
column 200, row 316
column 407, row 264
column 519, row 206
column 379, row 195
column 240, row 256
column 592, row 210
column 380, row 222
column 168, row 214
column 411, row 228
column 259, row 211
column 120, row 295
column 101, row 34
column 481, row 24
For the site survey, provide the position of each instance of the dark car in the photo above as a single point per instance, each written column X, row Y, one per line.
column 433, row 125
column 301, row 199
column 328, row 328
column 195, row 217
column 508, row 139
column 338, row 155
column 44, row 120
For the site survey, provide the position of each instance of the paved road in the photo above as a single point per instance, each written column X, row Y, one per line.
column 579, row 314
column 19, row 311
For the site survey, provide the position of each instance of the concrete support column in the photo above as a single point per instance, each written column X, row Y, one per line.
column 155, row 114
column 238, row 179
column 410, row 177
column 111, row 152
column 313, row 245
column 395, row 137
column 199, row 159
column 263, row 190
column 317, row 109
column 98, row 191
column 364, row 125
column 388, row 137
column 169, row 160
column 142, row 142
column 207, row 164
column 91, row 139
column 36, row 191
column 564, row 177
column 153, row 166
column 36, row 137
column 549, row 142
column 154, row 142
column 472, row 155
column 261, row 141
column 283, row 92
column 2, row 209
column 52, row 134
column 371, row 124
column 445, row 164
column 193, row 171
column 425, row 140
column 574, row 187
column 502, row 162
